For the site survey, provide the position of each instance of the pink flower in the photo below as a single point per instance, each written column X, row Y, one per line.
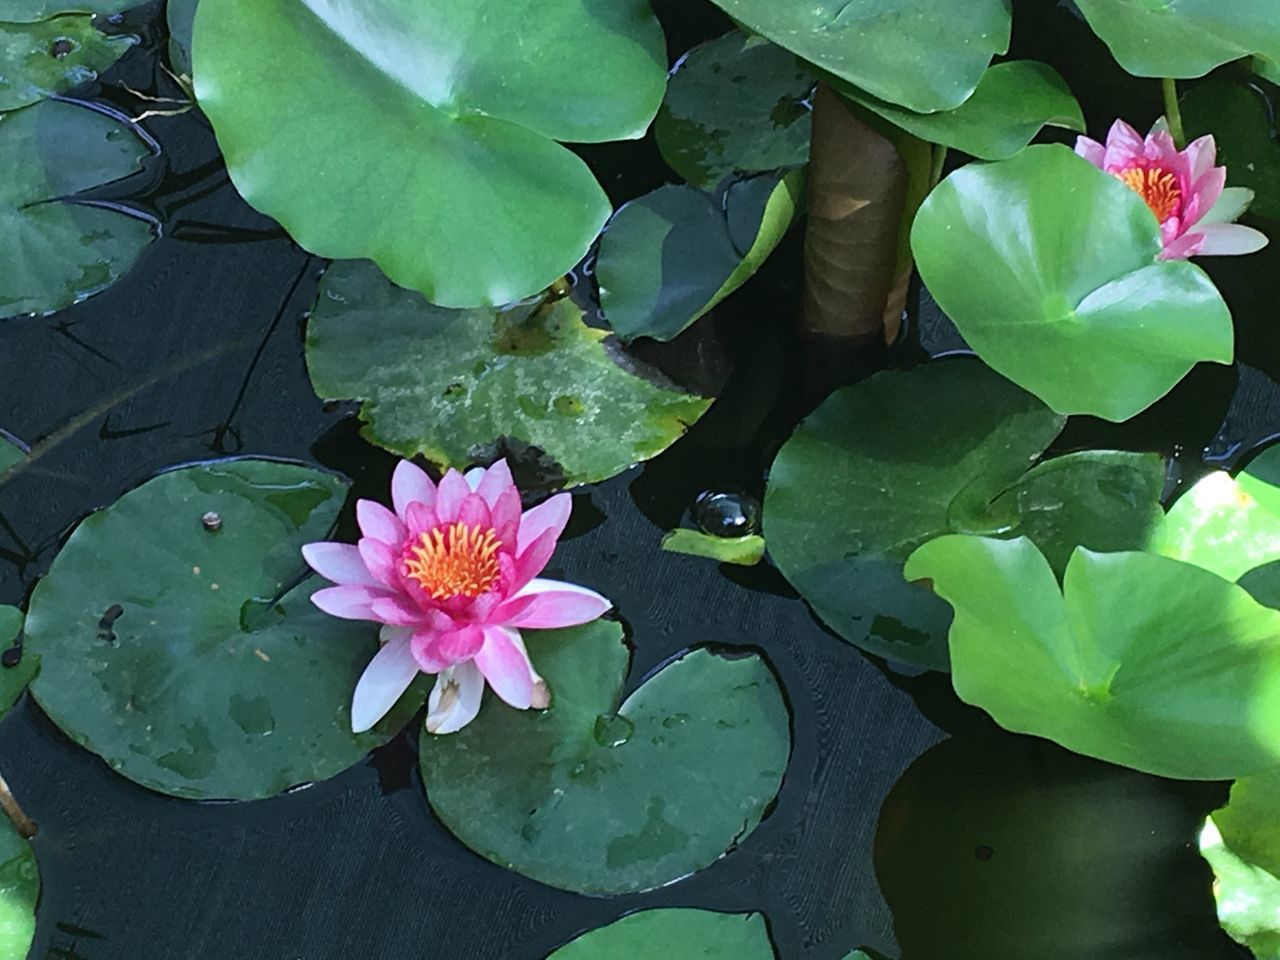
column 1182, row 187
column 452, row 575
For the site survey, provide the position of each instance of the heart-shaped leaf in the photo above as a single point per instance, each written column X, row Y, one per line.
column 60, row 252
column 29, row 11
column 455, row 184
column 582, row 797
column 1048, row 267
column 1244, row 132
column 1242, row 844
column 1012, row 103
column 19, row 891
column 52, row 56
column 14, row 676
column 663, row 934
column 199, row 667
column 450, row 384
column 1138, row 659
column 922, row 54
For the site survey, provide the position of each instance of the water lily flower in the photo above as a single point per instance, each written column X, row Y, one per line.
column 1183, row 188
column 452, row 574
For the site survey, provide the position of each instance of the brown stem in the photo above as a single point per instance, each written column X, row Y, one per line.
column 26, row 826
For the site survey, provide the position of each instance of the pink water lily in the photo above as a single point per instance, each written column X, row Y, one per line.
column 452, row 574
column 1183, row 188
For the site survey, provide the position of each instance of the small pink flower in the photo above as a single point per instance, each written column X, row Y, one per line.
column 452, row 575
column 1182, row 187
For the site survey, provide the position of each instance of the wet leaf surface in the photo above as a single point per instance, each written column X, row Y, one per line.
column 19, row 891
column 29, row 11
column 662, row 934
column 50, row 57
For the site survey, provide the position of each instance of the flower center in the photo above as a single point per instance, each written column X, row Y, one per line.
column 454, row 561
column 1157, row 186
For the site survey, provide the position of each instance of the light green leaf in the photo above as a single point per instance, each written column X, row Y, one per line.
column 29, row 11
column 197, row 667
column 19, row 891
column 668, row 933
column 39, row 60
column 581, row 796
column 455, row 183
column 1248, row 897
column 745, row 551
column 1240, row 121
column 1048, row 267
column 1250, row 822
column 450, row 384
column 13, row 679
column 1139, row 660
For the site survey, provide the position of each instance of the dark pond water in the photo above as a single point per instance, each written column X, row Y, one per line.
column 989, row 845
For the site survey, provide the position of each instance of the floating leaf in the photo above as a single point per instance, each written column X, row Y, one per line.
column 918, row 53
column 1012, row 103
column 1242, row 843
column 180, row 16
column 1250, row 822
column 455, row 184
column 1139, row 660
column 58, row 253
column 449, row 384
column 1161, row 38
column 736, row 104
column 662, row 934
column 52, row 56
column 667, row 258
column 13, row 679
column 1241, row 124
column 745, row 551
column 581, row 796
column 29, row 11
column 10, row 452
column 1048, row 267
column 19, row 891
column 198, row 668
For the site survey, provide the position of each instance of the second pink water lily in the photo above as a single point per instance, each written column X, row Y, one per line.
column 452, row 574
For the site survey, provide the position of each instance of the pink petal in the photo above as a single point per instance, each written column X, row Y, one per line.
column 453, row 490
column 506, row 666
column 555, row 604
column 378, row 522
column 339, row 562
column 541, row 693
column 1204, row 194
column 1230, row 239
column 474, row 512
column 1160, row 148
column 551, row 514
column 410, row 484
column 531, row 562
column 1187, row 245
column 383, row 682
column 420, row 518
column 504, row 517
column 423, row 646
column 381, row 560
column 398, row 611
column 495, row 482
column 349, row 602
column 1091, row 150
column 1200, row 154
column 455, row 699
column 1124, row 147
column 455, row 646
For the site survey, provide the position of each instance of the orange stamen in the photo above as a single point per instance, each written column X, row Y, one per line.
column 454, row 561
column 1155, row 185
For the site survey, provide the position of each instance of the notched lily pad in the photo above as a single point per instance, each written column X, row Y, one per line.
column 154, row 663
column 581, row 796
column 1242, row 844
column 43, row 59
column 664, row 934
column 19, row 891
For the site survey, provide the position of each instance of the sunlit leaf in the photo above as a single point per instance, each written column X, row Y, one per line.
column 745, row 551
column 19, row 891
column 1242, row 843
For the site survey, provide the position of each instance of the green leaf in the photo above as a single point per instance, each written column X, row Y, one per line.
column 13, row 680
column 1241, row 124
column 736, row 104
column 19, row 891
column 1138, row 660
column 1250, row 822
column 59, row 253
column 745, row 551
column 455, row 183
column 180, row 16
column 1248, row 897
column 198, row 668
column 581, row 796
column 10, row 452
column 667, row 933
column 1048, row 267
column 1186, row 38
column 29, row 11
column 449, row 384
column 47, row 58
column 919, row 53
column 667, row 258
column 1012, row 103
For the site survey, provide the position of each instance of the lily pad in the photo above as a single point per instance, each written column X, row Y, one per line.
column 61, row 252
column 1138, row 659
column 1248, row 897
column 449, row 384
column 29, row 11
column 199, row 667
column 918, row 53
column 1048, row 267
column 52, row 56
column 667, row 258
column 1012, row 103
column 19, row 891
column 581, row 796
column 1250, row 822
column 1242, row 127
column 1161, row 38
column 180, row 16
column 736, row 104
column 13, row 679
column 456, row 184
column 744, row 551
column 662, row 934
column 10, row 452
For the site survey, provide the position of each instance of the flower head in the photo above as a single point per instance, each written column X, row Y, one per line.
column 452, row 574
column 1183, row 188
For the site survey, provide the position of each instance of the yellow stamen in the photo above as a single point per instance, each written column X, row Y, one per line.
column 454, row 561
column 1155, row 185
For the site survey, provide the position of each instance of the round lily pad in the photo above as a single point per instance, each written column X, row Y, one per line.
column 19, row 891
column 663, row 934
column 1048, row 267
column 1242, row 844
column 450, row 384
column 13, row 678
column 61, row 252
column 52, row 56
column 29, row 11
column 736, row 104
column 186, row 656
column 1243, row 130
column 582, row 796
column 456, row 184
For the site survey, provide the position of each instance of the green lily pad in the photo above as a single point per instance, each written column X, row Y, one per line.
column 1138, row 659
column 1048, row 267
column 197, row 668
column 59, row 253
column 744, row 551
column 449, row 384
column 52, row 56
column 180, row 16
column 1250, row 822
column 667, row 258
column 13, row 680
column 581, row 796
column 1187, row 38
column 1242, row 128
column 456, row 184
column 10, row 452
column 663, row 934
column 1248, row 897
column 29, row 11
column 1012, row 103
column 919, row 53
column 19, row 891
column 736, row 104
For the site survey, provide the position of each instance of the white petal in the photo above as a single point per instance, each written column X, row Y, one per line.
column 455, row 699
column 410, row 484
column 383, row 682
column 474, row 476
column 1230, row 207
column 1229, row 239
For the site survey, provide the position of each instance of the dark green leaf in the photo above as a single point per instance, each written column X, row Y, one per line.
column 1243, row 130
column 180, row 15
column 50, row 57
column 665, row 934
column 13, row 679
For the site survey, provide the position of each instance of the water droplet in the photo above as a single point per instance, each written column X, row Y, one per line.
column 211, row 521
column 11, row 657
column 675, row 720
column 726, row 514
column 61, row 47
column 613, row 731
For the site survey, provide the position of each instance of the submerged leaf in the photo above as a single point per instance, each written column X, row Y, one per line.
column 667, row 933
